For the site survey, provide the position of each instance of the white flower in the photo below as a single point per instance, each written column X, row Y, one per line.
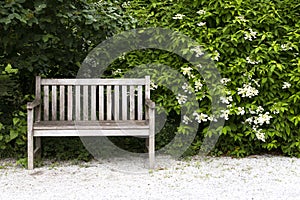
column 286, row 85
column 198, row 85
column 153, row 86
column 201, row 12
column 198, row 50
column 118, row 71
column 249, row 120
column 260, row 135
column 259, row 109
column 242, row 18
column 286, row 47
column 247, row 91
column 186, row 119
column 216, row 56
column 225, row 114
column 226, row 100
column 263, row 118
column 241, row 111
column 224, row 81
column 200, row 118
column 181, row 98
column 201, row 24
column 199, row 65
column 178, row 16
column 187, row 88
column 250, row 35
column 186, row 70
column 252, row 62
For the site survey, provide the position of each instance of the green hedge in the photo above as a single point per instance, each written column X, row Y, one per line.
column 255, row 45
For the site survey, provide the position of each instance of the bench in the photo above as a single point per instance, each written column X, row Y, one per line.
column 93, row 107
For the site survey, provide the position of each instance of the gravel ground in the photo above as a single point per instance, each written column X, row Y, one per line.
column 256, row 177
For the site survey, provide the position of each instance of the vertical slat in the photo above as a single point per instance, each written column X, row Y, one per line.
column 85, row 102
column 131, row 103
column 147, row 94
column 124, row 102
column 140, row 102
column 108, row 102
column 116, row 102
column 62, row 102
column 77, row 96
column 54, row 102
column 38, row 96
column 101, row 103
column 93, row 102
column 46, row 102
column 70, row 103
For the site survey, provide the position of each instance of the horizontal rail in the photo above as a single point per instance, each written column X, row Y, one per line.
column 93, row 82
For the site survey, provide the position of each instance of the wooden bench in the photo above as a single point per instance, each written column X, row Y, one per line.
column 90, row 107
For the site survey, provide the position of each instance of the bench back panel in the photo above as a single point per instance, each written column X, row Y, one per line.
column 93, row 99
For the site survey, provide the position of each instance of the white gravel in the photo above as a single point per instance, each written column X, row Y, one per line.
column 256, row 177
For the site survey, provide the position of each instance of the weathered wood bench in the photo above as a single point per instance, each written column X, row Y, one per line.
column 90, row 107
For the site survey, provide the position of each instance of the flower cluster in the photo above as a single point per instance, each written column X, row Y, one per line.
column 241, row 18
column 198, row 85
column 250, row 35
column 201, row 12
column 181, row 98
column 186, row 119
column 286, row 85
column 252, row 62
column 225, row 114
column 198, row 50
column 201, row 24
column 224, row 81
column 286, row 47
column 248, row 91
column 153, row 86
column 187, row 71
column 200, row 117
column 187, row 88
column 259, row 120
column 215, row 56
column 178, row 16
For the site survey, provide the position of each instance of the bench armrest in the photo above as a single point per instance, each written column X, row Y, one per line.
column 150, row 103
column 33, row 104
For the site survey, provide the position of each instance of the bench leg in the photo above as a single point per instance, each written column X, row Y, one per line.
column 30, row 146
column 38, row 146
column 151, row 150
column 30, row 152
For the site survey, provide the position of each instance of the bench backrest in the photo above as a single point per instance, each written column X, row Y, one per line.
column 92, row 99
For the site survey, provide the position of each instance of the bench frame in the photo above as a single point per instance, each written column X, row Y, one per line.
column 69, row 116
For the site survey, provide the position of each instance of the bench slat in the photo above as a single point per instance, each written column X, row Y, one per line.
column 46, row 103
column 62, row 102
column 131, row 102
column 70, row 103
column 101, row 103
column 54, row 102
column 92, row 125
column 85, row 102
column 140, row 102
column 78, row 104
column 93, row 102
column 116, row 102
column 124, row 102
column 108, row 102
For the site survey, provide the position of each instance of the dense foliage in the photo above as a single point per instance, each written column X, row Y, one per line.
column 50, row 38
column 255, row 45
